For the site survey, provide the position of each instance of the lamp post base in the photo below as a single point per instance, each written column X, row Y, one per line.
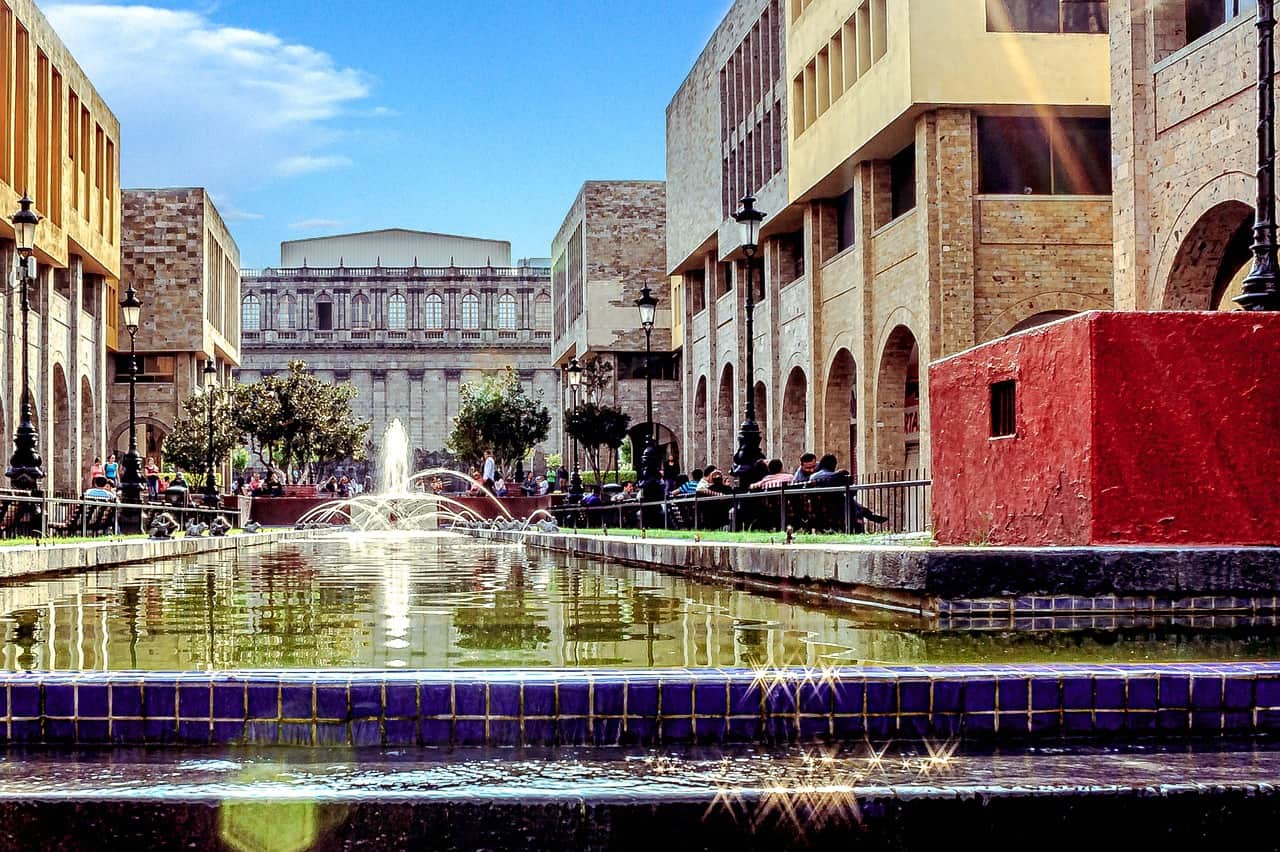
column 744, row 460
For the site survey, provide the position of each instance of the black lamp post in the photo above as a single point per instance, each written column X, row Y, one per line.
column 574, row 372
column 26, row 468
column 652, row 488
column 1261, row 292
column 210, row 482
column 744, row 460
column 131, row 467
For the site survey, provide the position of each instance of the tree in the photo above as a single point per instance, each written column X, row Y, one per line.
column 497, row 415
column 596, row 427
column 187, row 446
column 296, row 419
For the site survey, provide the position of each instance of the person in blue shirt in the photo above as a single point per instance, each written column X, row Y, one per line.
column 99, row 490
column 112, row 470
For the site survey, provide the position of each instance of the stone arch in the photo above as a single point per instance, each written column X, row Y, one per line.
column 1019, row 316
column 761, row 401
column 154, row 429
column 1206, row 246
column 726, row 423
column 897, row 394
column 698, row 424
column 794, row 426
column 90, row 436
column 840, row 410
column 62, row 436
column 668, row 442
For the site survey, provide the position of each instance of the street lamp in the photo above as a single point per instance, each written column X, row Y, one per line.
column 26, row 468
column 1261, row 292
column 210, row 483
column 131, row 468
column 744, row 460
column 574, row 372
column 652, row 488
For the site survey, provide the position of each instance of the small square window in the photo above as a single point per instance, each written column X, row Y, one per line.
column 1004, row 421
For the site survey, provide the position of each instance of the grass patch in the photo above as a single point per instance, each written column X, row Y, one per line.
column 764, row 537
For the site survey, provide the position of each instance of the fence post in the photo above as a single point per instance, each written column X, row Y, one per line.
column 848, row 511
column 733, row 524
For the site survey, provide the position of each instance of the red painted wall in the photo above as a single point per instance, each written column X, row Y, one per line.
column 1133, row 428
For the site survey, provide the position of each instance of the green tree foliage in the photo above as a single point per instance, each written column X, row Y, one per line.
column 187, row 446
column 295, row 419
column 597, row 428
column 496, row 414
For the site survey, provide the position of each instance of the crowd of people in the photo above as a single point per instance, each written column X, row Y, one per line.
column 105, row 479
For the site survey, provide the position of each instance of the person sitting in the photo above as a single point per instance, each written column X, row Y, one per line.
column 826, row 475
column 775, row 478
column 717, row 485
column 808, row 465
column 344, row 488
column 678, row 482
column 704, row 484
column 99, row 489
column 690, row 486
column 500, row 486
column 627, row 494
column 593, row 498
column 541, row 487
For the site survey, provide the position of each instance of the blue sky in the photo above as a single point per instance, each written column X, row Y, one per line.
column 304, row 117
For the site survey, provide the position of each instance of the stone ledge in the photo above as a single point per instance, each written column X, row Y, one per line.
column 35, row 560
column 921, row 576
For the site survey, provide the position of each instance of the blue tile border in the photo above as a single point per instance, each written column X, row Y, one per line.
column 642, row 707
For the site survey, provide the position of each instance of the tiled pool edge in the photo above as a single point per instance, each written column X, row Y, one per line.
column 32, row 561
column 513, row 708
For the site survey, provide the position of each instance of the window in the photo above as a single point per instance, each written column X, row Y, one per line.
column 631, row 365
column 470, row 312
column 846, row 229
column 434, row 314
column 152, row 369
column 542, row 313
column 1033, row 156
column 324, row 313
column 507, row 312
column 695, row 284
column 250, row 314
column 360, row 311
column 1004, row 420
column 1204, row 16
column 724, row 271
column 902, row 181
column 397, row 313
column 287, row 315
column 1048, row 16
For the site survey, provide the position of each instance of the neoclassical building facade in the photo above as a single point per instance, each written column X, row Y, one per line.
column 407, row 337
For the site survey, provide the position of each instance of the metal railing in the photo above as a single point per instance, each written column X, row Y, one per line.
column 397, row 272
column 903, row 505
column 24, row 516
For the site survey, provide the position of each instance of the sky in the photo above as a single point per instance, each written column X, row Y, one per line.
column 304, row 118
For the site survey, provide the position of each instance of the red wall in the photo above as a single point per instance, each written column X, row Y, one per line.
column 1133, row 428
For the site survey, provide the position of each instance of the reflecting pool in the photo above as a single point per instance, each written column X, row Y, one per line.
column 439, row 601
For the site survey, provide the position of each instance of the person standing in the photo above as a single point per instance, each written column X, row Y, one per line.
column 152, row 472
column 111, row 470
column 490, row 466
column 96, row 469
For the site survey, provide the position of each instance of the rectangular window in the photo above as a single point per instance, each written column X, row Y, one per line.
column 1004, row 421
column 696, row 285
column 1047, row 16
column 724, row 271
column 153, row 369
column 324, row 316
column 902, row 180
column 1204, row 16
column 846, row 226
column 1035, row 156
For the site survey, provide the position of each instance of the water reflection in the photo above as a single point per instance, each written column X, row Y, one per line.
column 432, row 601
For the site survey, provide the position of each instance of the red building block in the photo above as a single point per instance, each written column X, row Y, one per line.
column 1127, row 428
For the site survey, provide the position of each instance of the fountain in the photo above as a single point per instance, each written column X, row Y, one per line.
column 393, row 470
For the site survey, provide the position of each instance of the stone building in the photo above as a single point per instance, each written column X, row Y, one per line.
column 182, row 260
column 408, row 337
column 945, row 179
column 612, row 244
column 1185, row 112
column 59, row 144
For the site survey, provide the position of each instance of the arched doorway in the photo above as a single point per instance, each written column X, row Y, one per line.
column 726, row 423
column 90, row 437
column 841, row 410
column 795, row 422
column 61, row 449
column 698, row 425
column 761, row 402
column 668, row 445
column 1042, row 318
column 898, row 403
column 1212, row 260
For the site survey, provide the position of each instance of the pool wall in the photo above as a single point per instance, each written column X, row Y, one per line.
column 606, row 708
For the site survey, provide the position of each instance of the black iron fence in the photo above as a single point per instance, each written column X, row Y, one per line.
column 885, row 505
column 24, row 516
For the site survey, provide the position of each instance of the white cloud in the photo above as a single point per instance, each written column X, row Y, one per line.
column 206, row 104
column 302, row 164
column 316, row 224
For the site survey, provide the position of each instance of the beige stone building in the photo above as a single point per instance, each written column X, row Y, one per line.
column 59, row 142
column 945, row 179
column 407, row 337
column 611, row 245
column 1185, row 113
column 182, row 260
